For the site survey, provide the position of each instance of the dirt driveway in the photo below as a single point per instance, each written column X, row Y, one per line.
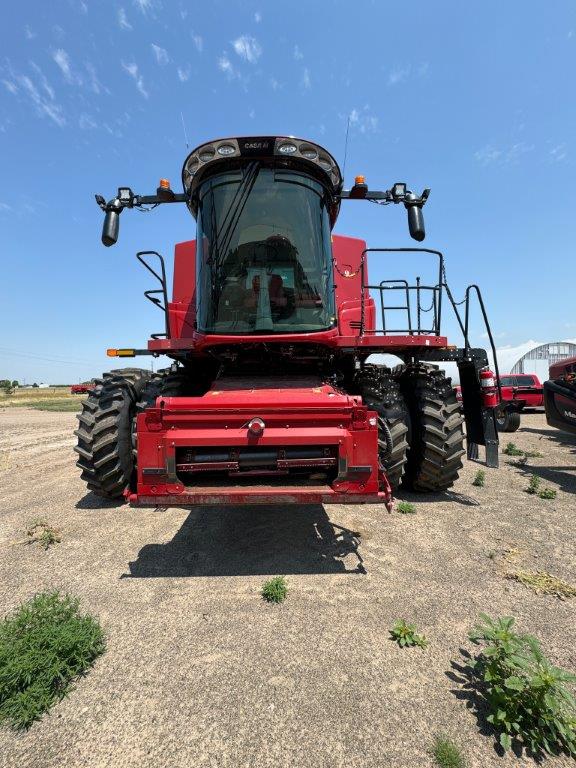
column 199, row 671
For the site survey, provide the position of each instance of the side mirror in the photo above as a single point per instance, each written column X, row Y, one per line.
column 111, row 226
column 415, row 218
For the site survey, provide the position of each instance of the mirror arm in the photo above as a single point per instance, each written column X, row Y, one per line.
column 127, row 199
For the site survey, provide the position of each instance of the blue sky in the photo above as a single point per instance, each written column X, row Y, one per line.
column 475, row 101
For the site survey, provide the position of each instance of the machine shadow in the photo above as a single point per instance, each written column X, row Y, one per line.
column 252, row 540
column 554, row 435
column 92, row 501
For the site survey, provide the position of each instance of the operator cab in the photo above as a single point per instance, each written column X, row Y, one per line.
column 264, row 210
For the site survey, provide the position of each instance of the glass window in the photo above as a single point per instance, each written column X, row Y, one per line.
column 506, row 381
column 264, row 254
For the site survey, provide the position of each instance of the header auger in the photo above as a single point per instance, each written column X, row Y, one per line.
column 271, row 321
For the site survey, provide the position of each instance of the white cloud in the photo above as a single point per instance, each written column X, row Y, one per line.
column 398, row 75
column 123, row 22
column 132, row 70
column 86, row 122
column 490, row 155
column 252, row 114
column 28, row 33
column 487, row 155
column 363, row 120
column 43, row 81
column 558, row 153
column 5, row 207
column 95, row 84
column 298, row 55
column 257, row 17
column 183, row 74
column 516, row 151
column 161, row 54
column 63, row 61
column 10, row 86
column 306, row 82
column 45, row 107
column 248, row 48
column 198, row 42
column 225, row 65
column 143, row 5
column 274, row 84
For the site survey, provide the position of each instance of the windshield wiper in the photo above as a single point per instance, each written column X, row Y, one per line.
column 234, row 211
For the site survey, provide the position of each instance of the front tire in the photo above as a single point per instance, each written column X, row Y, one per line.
column 381, row 393
column 436, row 439
column 105, row 428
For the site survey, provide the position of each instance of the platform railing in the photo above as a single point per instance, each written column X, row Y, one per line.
column 154, row 294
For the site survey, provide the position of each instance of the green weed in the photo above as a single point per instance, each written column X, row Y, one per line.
column 512, row 450
column 275, row 590
column 44, row 645
column 446, row 753
column 406, row 636
column 406, row 508
column 39, row 531
column 533, row 485
column 547, row 493
column 479, row 479
column 528, row 697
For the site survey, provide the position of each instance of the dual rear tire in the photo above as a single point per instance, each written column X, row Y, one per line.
column 421, row 439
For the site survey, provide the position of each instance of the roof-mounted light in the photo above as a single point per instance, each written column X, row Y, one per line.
column 287, row 148
column 226, row 149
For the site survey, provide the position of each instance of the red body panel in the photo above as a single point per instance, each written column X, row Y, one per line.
column 563, row 368
column 347, row 253
column 301, row 415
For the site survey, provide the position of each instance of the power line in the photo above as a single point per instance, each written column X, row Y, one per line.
column 30, row 355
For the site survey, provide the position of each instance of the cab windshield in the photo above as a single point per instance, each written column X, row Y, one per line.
column 264, row 255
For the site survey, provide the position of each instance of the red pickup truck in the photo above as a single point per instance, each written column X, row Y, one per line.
column 525, row 387
column 522, row 386
column 525, row 390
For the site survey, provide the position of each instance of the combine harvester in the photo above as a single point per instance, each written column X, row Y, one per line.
column 560, row 396
column 270, row 324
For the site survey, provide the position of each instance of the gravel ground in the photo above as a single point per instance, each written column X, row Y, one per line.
column 200, row 671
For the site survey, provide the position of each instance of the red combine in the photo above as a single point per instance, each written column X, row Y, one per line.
column 81, row 389
column 271, row 321
column 560, row 395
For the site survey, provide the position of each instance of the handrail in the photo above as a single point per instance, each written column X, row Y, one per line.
column 149, row 294
column 438, row 308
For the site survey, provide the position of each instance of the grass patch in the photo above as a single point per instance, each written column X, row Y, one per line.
column 406, row 635
column 528, row 697
column 44, row 645
column 55, row 405
column 543, row 583
column 533, row 485
column 39, row 531
column 446, row 753
column 275, row 590
column 479, row 479
column 547, row 493
column 406, row 508
column 512, row 450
